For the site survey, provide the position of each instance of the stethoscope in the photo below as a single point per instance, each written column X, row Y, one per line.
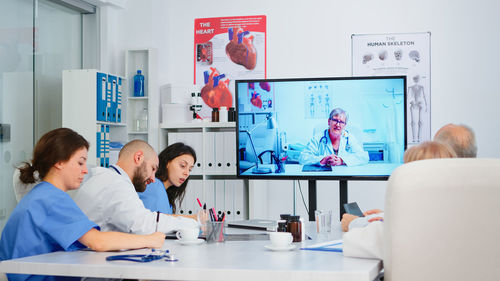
column 154, row 255
column 324, row 139
column 116, row 169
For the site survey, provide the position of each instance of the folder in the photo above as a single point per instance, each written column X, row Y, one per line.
column 239, row 200
column 189, row 199
column 210, row 152
column 172, row 138
column 119, row 96
column 230, row 152
column 111, row 104
column 194, row 139
column 99, row 136
column 219, row 196
column 220, row 150
column 101, row 95
column 197, row 188
column 229, row 199
column 106, row 146
column 100, row 145
column 181, row 208
column 209, row 193
column 108, row 99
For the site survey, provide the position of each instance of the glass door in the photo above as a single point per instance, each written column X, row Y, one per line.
column 58, row 46
column 16, row 94
column 38, row 39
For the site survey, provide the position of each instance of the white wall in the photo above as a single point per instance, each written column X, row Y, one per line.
column 312, row 39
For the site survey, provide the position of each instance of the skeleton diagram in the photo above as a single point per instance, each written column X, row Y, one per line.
column 417, row 104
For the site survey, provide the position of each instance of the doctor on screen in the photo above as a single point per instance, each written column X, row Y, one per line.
column 334, row 146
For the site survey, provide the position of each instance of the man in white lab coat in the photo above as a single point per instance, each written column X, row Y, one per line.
column 109, row 198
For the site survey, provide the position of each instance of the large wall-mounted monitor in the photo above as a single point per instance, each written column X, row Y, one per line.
column 321, row 128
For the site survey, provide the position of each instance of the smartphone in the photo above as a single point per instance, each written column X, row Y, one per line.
column 353, row 209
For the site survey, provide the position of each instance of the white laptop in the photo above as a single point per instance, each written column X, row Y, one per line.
column 256, row 224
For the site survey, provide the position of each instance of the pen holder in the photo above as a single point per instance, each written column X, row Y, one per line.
column 280, row 164
column 280, row 167
column 214, row 231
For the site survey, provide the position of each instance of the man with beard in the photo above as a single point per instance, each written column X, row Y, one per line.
column 109, row 197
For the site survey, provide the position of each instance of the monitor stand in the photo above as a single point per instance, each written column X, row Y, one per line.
column 313, row 198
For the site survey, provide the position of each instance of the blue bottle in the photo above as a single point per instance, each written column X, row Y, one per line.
column 139, row 84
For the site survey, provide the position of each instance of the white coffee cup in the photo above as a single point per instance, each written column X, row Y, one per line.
column 187, row 234
column 280, row 239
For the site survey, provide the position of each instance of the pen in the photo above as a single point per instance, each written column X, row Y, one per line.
column 199, row 203
column 210, row 212
column 215, row 214
column 204, row 206
column 157, row 220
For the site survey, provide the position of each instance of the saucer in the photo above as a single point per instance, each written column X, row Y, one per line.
column 274, row 248
column 194, row 242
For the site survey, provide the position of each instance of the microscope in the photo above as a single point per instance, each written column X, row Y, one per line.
column 196, row 105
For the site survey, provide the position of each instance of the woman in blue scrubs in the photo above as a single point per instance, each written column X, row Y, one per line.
column 175, row 164
column 47, row 219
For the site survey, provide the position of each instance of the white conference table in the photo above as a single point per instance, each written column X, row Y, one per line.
column 231, row 260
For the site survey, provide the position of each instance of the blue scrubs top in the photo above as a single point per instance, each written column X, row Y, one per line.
column 46, row 220
column 155, row 197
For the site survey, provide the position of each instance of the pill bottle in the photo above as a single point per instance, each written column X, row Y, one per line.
column 295, row 227
column 215, row 114
column 285, row 218
column 231, row 115
column 282, row 226
column 223, row 114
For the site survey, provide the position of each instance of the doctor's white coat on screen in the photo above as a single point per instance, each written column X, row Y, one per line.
column 320, row 145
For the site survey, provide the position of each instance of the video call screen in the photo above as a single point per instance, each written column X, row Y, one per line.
column 286, row 127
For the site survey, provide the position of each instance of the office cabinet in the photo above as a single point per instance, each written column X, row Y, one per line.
column 91, row 106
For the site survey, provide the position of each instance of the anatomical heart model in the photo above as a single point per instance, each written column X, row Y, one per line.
column 215, row 92
column 240, row 48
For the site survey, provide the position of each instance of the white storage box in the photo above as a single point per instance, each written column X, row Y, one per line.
column 177, row 93
column 176, row 113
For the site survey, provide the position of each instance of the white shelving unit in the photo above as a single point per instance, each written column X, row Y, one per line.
column 214, row 175
column 79, row 109
column 199, row 140
column 146, row 61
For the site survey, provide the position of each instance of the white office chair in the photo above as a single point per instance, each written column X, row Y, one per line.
column 21, row 189
column 442, row 221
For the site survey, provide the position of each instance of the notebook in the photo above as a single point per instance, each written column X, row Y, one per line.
column 329, row 246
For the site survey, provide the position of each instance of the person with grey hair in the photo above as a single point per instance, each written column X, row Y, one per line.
column 334, row 146
column 460, row 137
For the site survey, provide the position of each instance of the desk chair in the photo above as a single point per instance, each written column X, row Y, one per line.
column 442, row 221
column 21, row 189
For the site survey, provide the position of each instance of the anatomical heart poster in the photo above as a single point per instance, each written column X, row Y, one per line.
column 407, row 54
column 227, row 49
